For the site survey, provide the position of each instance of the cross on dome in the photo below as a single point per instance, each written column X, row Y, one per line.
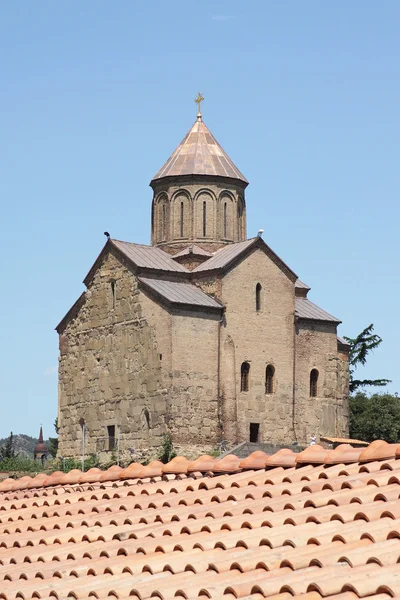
column 198, row 101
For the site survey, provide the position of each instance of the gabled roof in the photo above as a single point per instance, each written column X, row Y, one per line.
column 139, row 255
column 180, row 293
column 301, row 286
column 301, row 289
column 343, row 342
column 149, row 257
column 310, row 311
column 199, row 153
column 227, row 255
column 311, row 525
column 192, row 249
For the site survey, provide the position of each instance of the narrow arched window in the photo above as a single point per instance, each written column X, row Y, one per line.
column 244, row 377
column 181, row 219
column 240, row 219
column 164, row 221
column 314, row 383
column 258, row 297
column 269, row 379
column 225, row 221
column 204, row 218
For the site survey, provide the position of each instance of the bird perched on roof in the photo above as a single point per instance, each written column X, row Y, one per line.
column 260, row 232
column 107, row 235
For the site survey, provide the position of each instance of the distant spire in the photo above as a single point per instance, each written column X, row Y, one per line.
column 41, row 435
column 198, row 101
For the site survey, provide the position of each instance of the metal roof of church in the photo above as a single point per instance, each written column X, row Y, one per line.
column 225, row 255
column 199, row 153
column 180, row 293
column 301, row 285
column 149, row 257
column 192, row 249
column 308, row 310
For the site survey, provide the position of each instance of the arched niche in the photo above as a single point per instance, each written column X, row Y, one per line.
column 161, row 218
column 227, row 217
column 182, row 215
column 241, row 219
column 204, row 215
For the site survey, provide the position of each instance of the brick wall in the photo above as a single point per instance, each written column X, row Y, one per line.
column 225, row 213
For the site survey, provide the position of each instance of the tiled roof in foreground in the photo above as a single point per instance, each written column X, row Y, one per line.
column 319, row 524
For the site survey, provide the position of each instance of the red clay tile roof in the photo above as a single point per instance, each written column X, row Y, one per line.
column 319, row 524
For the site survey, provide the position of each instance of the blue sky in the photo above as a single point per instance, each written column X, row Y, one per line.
column 304, row 97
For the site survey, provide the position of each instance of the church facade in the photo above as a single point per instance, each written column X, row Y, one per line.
column 204, row 333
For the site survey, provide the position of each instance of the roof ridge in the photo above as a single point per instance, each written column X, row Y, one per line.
column 314, row 454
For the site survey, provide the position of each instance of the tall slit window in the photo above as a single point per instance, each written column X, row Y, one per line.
column 181, row 219
column 269, row 379
column 314, row 383
column 204, row 219
column 258, row 297
column 225, row 220
column 111, row 436
column 163, row 225
column 244, row 377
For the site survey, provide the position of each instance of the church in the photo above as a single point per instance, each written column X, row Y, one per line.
column 204, row 334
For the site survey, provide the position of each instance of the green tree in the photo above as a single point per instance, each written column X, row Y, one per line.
column 375, row 417
column 360, row 347
column 8, row 450
column 167, row 451
column 53, row 441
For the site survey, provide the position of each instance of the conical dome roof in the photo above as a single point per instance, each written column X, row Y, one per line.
column 199, row 154
column 40, row 446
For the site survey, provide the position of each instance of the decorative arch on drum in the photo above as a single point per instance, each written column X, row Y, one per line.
column 182, row 215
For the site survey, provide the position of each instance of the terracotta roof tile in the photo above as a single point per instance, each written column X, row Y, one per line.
column 318, row 524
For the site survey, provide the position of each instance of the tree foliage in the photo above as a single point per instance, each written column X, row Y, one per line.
column 53, row 442
column 167, row 451
column 375, row 417
column 8, row 450
column 360, row 347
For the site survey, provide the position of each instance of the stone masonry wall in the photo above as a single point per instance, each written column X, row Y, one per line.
column 193, row 401
column 326, row 414
column 261, row 338
column 128, row 361
column 110, row 371
column 225, row 214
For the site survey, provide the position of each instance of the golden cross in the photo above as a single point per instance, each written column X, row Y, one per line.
column 198, row 101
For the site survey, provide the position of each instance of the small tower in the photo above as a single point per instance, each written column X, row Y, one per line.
column 40, row 451
column 199, row 195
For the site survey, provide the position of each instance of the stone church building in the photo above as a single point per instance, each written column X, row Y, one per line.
column 204, row 333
